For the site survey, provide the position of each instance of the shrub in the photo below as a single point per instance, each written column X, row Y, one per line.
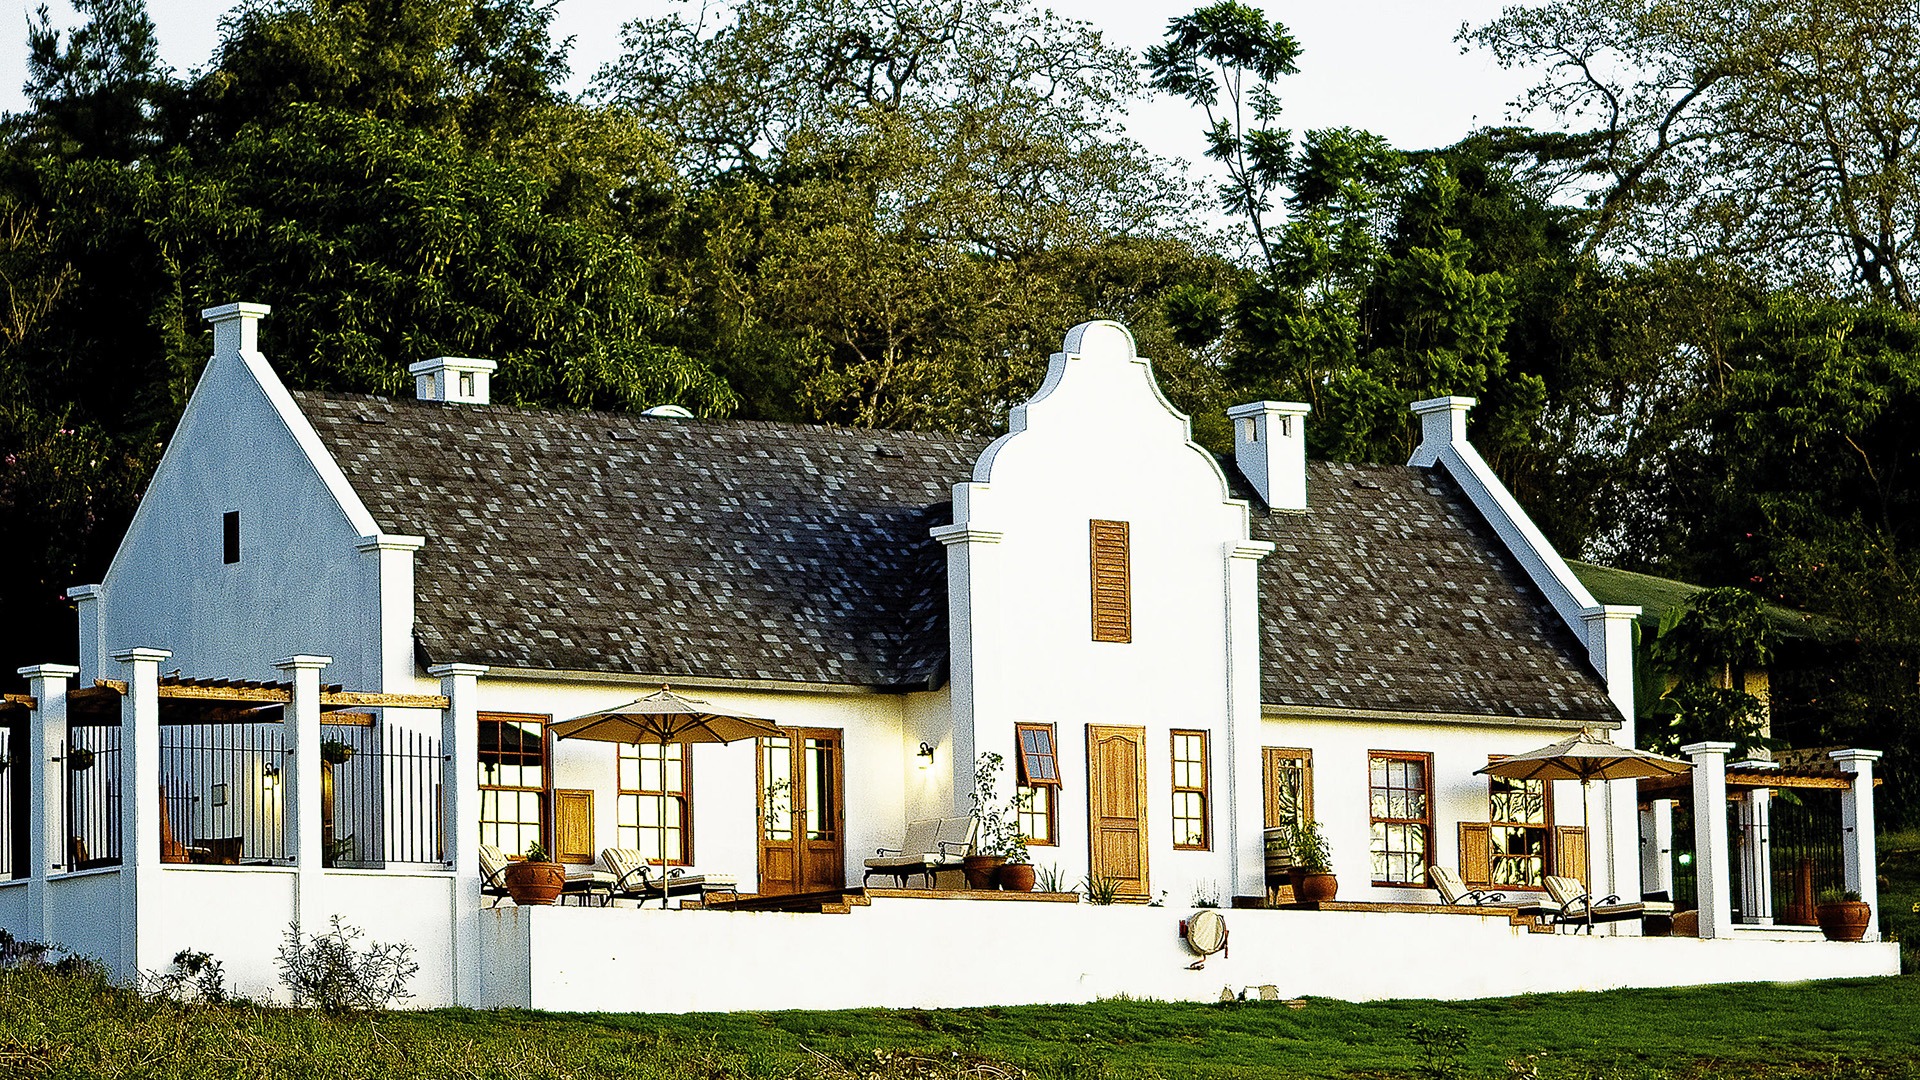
column 332, row 973
column 193, row 976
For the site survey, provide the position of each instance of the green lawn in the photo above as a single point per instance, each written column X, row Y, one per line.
column 53, row 1026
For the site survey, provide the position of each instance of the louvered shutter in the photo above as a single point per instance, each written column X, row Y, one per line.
column 1112, row 603
column 1570, row 853
column 1476, row 854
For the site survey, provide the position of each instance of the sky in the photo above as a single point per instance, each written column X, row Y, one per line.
column 1389, row 66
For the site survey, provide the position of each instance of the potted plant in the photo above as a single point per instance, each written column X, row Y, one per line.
column 535, row 879
column 1313, row 879
column 335, row 752
column 1843, row 916
column 997, row 839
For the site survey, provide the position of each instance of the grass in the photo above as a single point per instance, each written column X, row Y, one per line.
column 1900, row 892
column 66, row 1025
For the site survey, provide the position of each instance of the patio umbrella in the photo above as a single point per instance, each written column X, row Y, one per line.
column 664, row 717
column 1585, row 757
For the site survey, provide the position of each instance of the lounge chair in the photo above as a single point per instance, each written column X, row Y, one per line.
column 931, row 845
column 1456, row 893
column 1577, row 906
column 634, row 879
column 493, row 873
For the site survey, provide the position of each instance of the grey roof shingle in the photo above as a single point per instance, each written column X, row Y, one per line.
column 609, row 542
column 740, row 549
column 1390, row 592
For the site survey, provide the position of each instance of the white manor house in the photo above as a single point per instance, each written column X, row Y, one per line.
column 320, row 675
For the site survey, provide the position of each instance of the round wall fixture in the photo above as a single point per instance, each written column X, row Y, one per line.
column 1206, row 935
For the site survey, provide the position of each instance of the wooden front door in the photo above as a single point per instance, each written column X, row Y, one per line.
column 1117, row 807
column 802, row 822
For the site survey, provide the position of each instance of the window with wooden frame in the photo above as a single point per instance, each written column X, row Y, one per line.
column 1401, row 813
column 644, row 770
column 513, row 781
column 1037, row 767
column 1190, row 815
column 1112, row 584
column 1519, row 825
column 1287, row 786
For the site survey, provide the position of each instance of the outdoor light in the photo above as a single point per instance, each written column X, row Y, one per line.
column 1685, row 858
column 272, row 775
column 926, row 754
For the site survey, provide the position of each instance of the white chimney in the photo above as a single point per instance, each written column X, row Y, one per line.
column 1270, row 446
column 1443, row 423
column 236, row 328
column 456, row 379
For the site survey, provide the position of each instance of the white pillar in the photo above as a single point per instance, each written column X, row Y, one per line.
column 42, row 768
column 1656, row 847
column 1856, row 824
column 973, row 628
column 93, row 645
column 460, row 807
column 1711, row 859
column 1245, row 806
column 140, row 945
column 300, row 782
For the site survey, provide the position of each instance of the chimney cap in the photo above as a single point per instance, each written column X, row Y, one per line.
column 451, row 363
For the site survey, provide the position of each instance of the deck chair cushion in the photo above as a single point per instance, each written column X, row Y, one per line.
column 919, row 852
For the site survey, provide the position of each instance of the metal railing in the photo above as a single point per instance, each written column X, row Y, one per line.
column 380, row 797
column 13, row 803
column 224, row 787
column 1807, row 857
column 91, row 764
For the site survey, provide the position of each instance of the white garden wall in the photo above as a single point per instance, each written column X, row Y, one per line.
column 905, row 953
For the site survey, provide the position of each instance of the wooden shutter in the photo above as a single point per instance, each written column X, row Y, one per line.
column 1112, row 602
column 573, row 826
column 1476, row 854
column 1570, row 853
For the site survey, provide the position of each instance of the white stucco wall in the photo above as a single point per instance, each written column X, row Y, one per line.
column 878, row 770
column 301, row 585
column 1098, row 441
column 13, row 908
column 85, row 909
column 1341, row 788
column 1039, row 953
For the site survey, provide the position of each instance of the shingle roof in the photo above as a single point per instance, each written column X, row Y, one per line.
column 740, row 549
column 610, row 542
column 1392, row 593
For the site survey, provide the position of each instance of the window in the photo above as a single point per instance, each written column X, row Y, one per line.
column 1038, row 783
column 1288, row 786
column 1190, row 790
column 1519, row 823
column 1112, row 602
column 640, row 824
column 513, row 781
column 230, row 536
column 1401, row 815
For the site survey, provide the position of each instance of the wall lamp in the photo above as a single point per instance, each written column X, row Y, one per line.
column 926, row 755
column 271, row 775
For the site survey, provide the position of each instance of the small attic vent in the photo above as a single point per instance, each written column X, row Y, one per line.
column 885, row 452
column 622, row 436
column 677, row 412
column 1368, row 484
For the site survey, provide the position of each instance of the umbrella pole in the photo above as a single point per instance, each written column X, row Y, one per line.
column 1586, row 825
column 665, row 892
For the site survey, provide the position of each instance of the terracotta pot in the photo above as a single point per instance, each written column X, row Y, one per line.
column 980, row 869
column 534, row 883
column 1016, row 877
column 1845, row 921
column 1314, row 888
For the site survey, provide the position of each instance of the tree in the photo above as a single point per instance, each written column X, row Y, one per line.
column 1781, row 133
column 892, row 199
column 100, row 93
column 1231, row 46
